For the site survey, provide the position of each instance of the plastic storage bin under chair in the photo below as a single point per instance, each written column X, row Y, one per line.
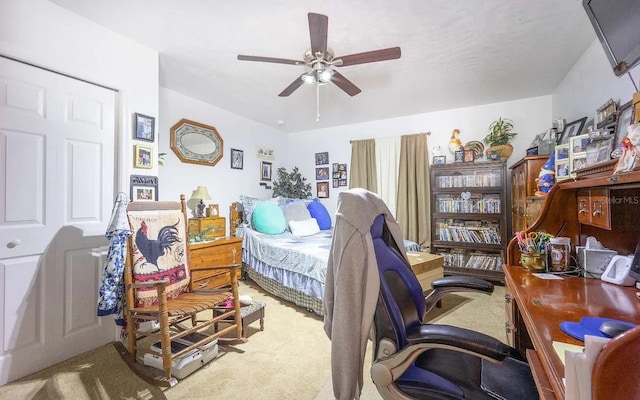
column 189, row 363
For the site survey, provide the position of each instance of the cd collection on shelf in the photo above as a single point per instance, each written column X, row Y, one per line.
column 482, row 204
column 478, row 261
column 476, row 180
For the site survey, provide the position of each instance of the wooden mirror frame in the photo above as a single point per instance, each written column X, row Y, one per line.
column 187, row 127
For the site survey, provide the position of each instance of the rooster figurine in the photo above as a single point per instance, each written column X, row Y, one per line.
column 153, row 249
column 454, row 143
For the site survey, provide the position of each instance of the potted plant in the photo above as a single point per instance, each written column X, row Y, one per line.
column 291, row 184
column 498, row 138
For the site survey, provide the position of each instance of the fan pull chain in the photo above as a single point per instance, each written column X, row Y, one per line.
column 317, row 102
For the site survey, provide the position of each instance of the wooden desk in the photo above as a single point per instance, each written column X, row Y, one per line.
column 536, row 307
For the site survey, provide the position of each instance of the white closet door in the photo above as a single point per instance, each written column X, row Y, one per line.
column 56, row 190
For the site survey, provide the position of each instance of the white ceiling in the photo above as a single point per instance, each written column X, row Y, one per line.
column 454, row 53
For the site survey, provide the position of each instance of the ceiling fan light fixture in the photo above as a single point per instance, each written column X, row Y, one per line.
column 318, row 76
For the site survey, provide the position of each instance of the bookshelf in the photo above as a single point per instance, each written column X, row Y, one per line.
column 468, row 206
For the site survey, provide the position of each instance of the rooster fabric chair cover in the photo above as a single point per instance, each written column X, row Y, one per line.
column 158, row 252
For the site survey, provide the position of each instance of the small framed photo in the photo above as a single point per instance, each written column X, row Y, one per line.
column 323, row 190
column 143, row 156
column 265, row 171
column 622, row 123
column 322, row 174
column 439, row 160
column 342, row 182
column 143, row 188
column 335, row 183
column 572, row 129
column 144, row 127
column 342, row 167
column 459, row 156
column 469, row 156
column 237, row 159
column 335, row 167
column 322, row 158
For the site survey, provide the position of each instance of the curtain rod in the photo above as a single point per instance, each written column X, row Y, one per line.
column 427, row 133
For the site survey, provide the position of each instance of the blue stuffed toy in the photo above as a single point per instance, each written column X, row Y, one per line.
column 546, row 178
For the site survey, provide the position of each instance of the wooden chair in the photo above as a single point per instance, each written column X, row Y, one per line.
column 157, row 288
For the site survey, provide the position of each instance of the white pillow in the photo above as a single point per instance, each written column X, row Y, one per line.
column 306, row 227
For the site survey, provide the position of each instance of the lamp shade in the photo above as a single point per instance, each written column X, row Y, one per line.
column 201, row 193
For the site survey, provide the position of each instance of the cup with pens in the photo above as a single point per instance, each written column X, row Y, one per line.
column 533, row 246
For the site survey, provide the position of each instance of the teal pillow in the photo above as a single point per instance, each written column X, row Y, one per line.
column 268, row 218
column 320, row 213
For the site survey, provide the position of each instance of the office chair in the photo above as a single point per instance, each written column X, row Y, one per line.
column 414, row 360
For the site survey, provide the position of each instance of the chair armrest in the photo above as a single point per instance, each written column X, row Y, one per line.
column 455, row 337
column 422, row 338
column 452, row 284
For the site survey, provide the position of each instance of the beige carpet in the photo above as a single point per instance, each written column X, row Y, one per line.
column 289, row 360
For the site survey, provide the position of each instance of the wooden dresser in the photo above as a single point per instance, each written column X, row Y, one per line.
column 222, row 251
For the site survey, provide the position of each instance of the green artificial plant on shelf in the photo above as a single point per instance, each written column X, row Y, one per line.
column 291, row 184
column 498, row 138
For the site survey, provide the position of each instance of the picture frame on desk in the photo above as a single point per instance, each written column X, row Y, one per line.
column 572, row 129
column 625, row 114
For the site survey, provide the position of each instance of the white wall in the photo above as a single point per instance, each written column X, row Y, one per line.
column 225, row 184
column 589, row 84
column 46, row 35
column 531, row 117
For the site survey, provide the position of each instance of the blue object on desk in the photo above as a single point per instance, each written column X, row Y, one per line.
column 587, row 326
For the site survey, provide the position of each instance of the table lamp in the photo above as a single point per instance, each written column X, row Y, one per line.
column 201, row 193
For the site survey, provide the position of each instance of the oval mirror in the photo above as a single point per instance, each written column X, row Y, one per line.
column 196, row 143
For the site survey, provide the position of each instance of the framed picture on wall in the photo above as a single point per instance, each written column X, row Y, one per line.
column 322, row 173
column 322, row 158
column 572, row 129
column 237, row 159
column 265, row 171
column 142, row 156
column 322, row 189
column 144, row 127
column 143, row 188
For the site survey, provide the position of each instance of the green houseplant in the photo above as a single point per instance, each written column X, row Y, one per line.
column 291, row 184
column 498, row 138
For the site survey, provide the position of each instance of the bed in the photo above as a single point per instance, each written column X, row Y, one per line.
column 290, row 267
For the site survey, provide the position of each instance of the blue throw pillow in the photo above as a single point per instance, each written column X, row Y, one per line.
column 268, row 218
column 320, row 213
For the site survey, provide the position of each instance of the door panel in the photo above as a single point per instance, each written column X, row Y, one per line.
column 57, row 136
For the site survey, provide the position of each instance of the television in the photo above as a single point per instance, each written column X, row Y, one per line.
column 634, row 271
column 617, row 25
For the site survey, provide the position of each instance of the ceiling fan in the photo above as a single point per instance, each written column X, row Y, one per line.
column 321, row 60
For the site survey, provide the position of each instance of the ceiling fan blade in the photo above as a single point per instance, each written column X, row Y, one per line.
column 270, row 60
column 292, row 87
column 318, row 26
column 391, row 53
column 345, row 84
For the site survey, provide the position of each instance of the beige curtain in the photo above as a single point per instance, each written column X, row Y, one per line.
column 413, row 210
column 363, row 165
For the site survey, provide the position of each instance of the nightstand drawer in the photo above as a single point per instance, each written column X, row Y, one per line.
column 209, row 280
column 215, row 227
column 220, row 252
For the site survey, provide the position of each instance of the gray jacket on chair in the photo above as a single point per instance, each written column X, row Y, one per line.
column 352, row 286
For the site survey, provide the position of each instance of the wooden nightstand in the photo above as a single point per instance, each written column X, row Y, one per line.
column 223, row 251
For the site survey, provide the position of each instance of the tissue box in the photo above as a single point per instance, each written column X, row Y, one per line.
column 593, row 262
